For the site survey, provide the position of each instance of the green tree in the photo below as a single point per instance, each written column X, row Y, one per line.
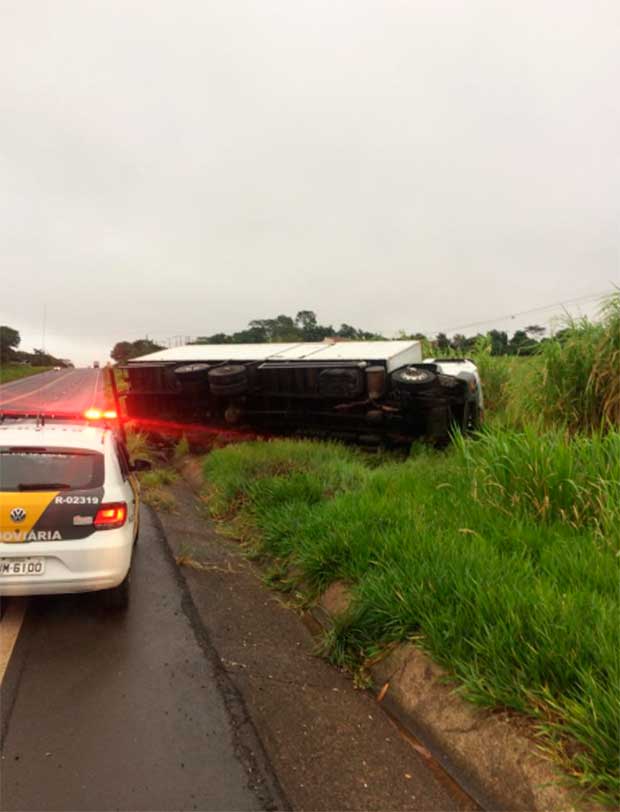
column 347, row 331
column 9, row 342
column 121, row 351
column 310, row 329
column 499, row 342
column 40, row 358
column 283, row 328
column 521, row 344
column 124, row 350
column 306, row 320
column 144, row 346
column 535, row 331
column 459, row 342
column 442, row 342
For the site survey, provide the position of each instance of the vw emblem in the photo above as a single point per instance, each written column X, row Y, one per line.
column 18, row 514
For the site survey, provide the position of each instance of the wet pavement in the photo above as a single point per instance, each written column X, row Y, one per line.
column 104, row 710
column 65, row 390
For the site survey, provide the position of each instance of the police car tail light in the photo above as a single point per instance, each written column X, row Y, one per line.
column 111, row 515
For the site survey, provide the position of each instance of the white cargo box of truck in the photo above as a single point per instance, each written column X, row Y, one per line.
column 394, row 354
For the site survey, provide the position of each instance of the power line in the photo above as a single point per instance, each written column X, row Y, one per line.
column 178, row 340
column 525, row 312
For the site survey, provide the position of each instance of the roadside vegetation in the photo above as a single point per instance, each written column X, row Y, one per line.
column 14, row 372
column 499, row 556
column 154, row 484
column 154, row 488
column 12, row 357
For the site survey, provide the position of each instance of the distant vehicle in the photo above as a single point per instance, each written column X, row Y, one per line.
column 69, row 505
column 373, row 392
column 57, row 369
column 95, row 364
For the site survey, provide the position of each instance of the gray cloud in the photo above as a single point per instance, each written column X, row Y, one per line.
column 184, row 167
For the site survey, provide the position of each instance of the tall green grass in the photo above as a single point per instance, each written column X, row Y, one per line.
column 14, row 372
column 548, row 478
column 499, row 557
column 573, row 381
column 580, row 383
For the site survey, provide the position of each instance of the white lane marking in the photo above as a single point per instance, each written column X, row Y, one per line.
column 66, row 397
column 36, row 391
column 94, row 398
column 10, row 625
column 25, row 379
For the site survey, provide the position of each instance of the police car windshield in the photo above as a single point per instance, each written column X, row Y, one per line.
column 35, row 470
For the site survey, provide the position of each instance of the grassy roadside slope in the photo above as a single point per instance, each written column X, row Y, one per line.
column 499, row 557
column 13, row 372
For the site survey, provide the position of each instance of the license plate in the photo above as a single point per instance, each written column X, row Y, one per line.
column 22, row 566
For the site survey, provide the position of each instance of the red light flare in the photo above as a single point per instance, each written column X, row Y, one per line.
column 90, row 415
column 196, row 430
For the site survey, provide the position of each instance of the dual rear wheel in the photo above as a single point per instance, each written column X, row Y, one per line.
column 228, row 380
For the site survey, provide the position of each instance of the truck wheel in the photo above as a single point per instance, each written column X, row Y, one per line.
column 231, row 379
column 229, row 390
column 414, row 377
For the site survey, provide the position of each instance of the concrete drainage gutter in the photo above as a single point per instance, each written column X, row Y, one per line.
column 490, row 755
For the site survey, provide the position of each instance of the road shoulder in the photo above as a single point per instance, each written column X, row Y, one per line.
column 332, row 747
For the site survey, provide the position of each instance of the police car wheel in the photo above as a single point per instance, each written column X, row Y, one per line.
column 118, row 596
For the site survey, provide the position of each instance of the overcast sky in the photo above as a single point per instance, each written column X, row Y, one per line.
column 183, row 167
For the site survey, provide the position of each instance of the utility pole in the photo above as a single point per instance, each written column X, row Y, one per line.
column 43, row 330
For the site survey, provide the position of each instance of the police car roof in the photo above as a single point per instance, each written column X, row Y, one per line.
column 52, row 435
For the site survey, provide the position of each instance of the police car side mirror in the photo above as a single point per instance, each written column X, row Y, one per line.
column 141, row 465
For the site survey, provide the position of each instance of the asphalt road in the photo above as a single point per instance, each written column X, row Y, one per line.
column 124, row 711
column 67, row 390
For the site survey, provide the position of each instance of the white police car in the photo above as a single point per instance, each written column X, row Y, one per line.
column 69, row 509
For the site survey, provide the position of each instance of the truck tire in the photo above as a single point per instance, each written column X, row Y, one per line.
column 414, row 378
column 231, row 379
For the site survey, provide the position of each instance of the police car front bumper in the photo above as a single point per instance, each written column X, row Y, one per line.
column 100, row 561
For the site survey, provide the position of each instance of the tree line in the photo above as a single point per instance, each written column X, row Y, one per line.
column 305, row 327
column 10, row 353
column 522, row 342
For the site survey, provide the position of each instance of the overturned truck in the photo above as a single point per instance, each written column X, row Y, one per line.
column 372, row 392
